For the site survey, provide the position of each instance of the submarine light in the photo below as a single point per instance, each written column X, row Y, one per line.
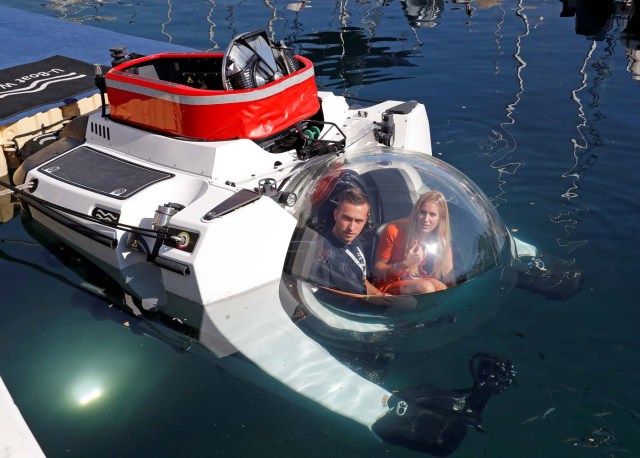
column 87, row 390
column 288, row 198
column 291, row 199
column 90, row 396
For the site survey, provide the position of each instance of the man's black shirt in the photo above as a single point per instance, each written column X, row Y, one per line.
column 335, row 268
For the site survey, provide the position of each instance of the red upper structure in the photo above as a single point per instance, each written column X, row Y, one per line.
column 190, row 95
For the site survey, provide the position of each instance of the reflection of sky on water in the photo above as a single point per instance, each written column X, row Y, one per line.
column 164, row 24
column 501, row 142
column 89, row 10
column 568, row 219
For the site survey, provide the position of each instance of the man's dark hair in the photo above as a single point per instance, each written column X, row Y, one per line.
column 354, row 196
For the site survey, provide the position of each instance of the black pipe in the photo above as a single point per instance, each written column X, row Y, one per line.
column 102, row 239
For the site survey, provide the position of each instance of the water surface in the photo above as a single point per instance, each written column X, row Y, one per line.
column 539, row 106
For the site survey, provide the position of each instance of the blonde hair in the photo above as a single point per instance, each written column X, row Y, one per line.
column 441, row 235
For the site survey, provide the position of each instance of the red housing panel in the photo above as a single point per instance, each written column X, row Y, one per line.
column 181, row 110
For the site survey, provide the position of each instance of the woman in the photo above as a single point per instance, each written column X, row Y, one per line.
column 414, row 253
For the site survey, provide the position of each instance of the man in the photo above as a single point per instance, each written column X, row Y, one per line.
column 340, row 263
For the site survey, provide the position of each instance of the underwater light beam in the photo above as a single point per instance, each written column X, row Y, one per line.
column 90, row 396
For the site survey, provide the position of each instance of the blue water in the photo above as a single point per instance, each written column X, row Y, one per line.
column 543, row 118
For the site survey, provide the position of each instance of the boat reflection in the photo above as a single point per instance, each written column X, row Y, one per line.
column 349, row 57
column 600, row 22
column 631, row 38
column 605, row 20
column 593, row 17
column 423, row 13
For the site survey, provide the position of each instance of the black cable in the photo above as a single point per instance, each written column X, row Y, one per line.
column 93, row 219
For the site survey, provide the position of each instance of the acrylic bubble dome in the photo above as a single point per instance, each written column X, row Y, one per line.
column 484, row 262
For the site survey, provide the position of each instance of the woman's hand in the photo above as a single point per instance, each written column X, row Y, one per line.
column 415, row 255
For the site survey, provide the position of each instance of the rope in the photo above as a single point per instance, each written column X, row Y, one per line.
column 19, row 242
column 359, row 99
column 93, row 219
